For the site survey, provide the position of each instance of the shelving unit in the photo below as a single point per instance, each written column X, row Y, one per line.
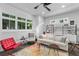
column 50, row 28
column 72, row 29
column 62, row 30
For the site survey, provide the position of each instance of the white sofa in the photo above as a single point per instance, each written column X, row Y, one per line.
column 63, row 46
column 58, row 40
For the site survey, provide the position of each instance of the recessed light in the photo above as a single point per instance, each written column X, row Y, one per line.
column 43, row 12
column 63, row 6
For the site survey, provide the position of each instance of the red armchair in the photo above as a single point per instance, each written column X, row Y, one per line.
column 9, row 44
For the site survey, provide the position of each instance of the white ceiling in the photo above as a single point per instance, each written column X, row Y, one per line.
column 56, row 8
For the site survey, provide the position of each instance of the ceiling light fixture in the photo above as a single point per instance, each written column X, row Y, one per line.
column 43, row 12
column 63, row 6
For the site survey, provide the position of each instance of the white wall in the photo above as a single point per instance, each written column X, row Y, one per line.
column 40, row 26
column 71, row 15
column 17, row 34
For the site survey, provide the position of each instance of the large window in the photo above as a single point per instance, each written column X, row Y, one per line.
column 29, row 24
column 8, row 24
column 21, row 25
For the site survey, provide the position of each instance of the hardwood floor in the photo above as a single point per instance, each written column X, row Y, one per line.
column 36, row 50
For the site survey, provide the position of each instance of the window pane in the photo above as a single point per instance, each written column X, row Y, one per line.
column 29, row 20
column 5, row 24
column 19, row 25
column 4, row 14
column 19, row 18
column 29, row 24
column 11, row 16
column 8, row 15
column 22, row 25
column 12, row 24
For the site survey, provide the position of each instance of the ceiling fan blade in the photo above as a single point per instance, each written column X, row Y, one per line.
column 37, row 6
column 45, row 4
column 47, row 8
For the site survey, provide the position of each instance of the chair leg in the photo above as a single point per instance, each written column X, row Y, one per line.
column 54, row 52
column 49, row 51
column 57, row 52
column 9, row 53
column 72, row 49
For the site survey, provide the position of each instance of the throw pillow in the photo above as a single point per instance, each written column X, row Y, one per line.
column 63, row 39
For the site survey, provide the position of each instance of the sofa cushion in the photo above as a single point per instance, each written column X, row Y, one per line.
column 7, row 43
column 63, row 39
column 72, row 38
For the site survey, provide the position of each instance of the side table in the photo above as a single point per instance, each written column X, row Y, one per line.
column 71, row 48
column 55, row 47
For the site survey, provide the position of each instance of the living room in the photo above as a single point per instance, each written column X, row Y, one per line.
column 51, row 28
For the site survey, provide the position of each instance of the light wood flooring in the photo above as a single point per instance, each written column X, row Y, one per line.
column 36, row 50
